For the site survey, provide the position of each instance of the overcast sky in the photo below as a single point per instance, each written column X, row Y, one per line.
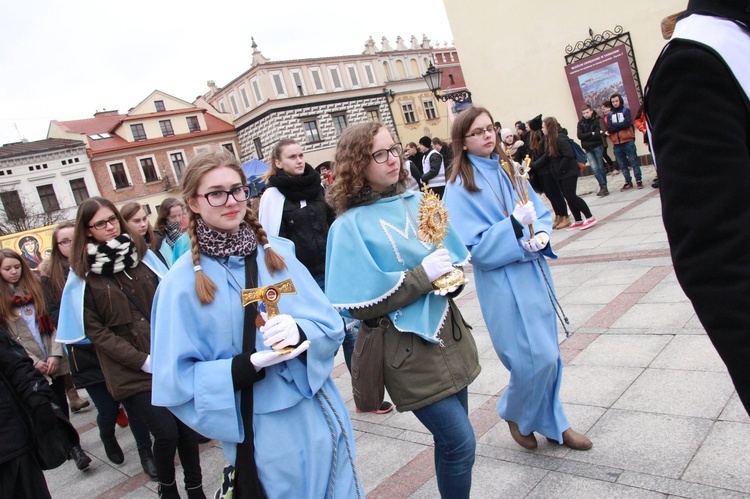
column 64, row 60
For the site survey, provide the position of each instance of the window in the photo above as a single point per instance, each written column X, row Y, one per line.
column 166, row 128
column 335, row 77
column 193, row 124
column 278, row 84
column 229, row 147
column 222, row 107
column 12, row 205
column 409, row 115
column 429, row 109
column 48, row 198
column 353, row 76
column 159, row 104
column 233, row 102
column 149, row 170
column 258, row 147
column 339, row 122
column 373, row 114
column 245, row 99
column 298, row 84
column 119, row 176
column 80, row 192
column 178, row 163
column 138, row 132
column 369, row 73
column 311, row 131
column 256, row 90
column 317, row 80
column 450, row 79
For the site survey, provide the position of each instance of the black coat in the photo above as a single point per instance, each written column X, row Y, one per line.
column 704, row 179
column 29, row 385
column 564, row 165
column 308, row 228
column 590, row 132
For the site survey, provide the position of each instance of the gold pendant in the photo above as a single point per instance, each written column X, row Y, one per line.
column 28, row 311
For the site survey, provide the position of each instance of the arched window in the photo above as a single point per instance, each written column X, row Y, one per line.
column 387, row 71
column 415, row 73
column 400, row 69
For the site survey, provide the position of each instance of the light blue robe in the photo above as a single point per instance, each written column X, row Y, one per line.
column 192, row 346
column 513, row 296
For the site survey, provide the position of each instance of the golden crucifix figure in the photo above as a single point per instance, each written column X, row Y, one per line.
column 270, row 295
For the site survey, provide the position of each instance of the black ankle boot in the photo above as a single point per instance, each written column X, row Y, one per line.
column 147, row 462
column 196, row 492
column 81, row 459
column 168, row 491
column 113, row 450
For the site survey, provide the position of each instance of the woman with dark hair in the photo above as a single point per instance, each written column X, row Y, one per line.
column 169, row 238
column 108, row 299
column 378, row 271
column 24, row 314
column 540, row 167
column 259, row 384
column 512, row 278
column 137, row 218
column 84, row 365
column 293, row 206
column 559, row 153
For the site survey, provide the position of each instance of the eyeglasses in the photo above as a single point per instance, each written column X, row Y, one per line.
column 113, row 221
column 219, row 198
column 66, row 242
column 381, row 156
column 479, row 132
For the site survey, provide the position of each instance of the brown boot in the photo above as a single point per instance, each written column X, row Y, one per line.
column 556, row 222
column 564, row 222
column 525, row 441
column 76, row 402
column 575, row 440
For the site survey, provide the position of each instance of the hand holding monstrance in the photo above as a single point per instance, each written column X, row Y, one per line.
column 433, row 227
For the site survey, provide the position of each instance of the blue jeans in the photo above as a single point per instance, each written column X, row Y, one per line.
column 597, row 164
column 455, row 445
column 107, row 410
column 626, row 156
column 351, row 327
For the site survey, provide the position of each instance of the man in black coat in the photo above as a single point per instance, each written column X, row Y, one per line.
column 701, row 82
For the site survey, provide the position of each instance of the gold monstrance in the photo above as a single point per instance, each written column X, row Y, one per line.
column 433, row 227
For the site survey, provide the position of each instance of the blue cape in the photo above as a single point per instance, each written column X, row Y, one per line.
column 369, row 250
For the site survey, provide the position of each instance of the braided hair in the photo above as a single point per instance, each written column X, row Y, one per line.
column 198, row 168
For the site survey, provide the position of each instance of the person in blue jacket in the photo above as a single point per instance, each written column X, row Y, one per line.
column 513, row 280
column 222, row 368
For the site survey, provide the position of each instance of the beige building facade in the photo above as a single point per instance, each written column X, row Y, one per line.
column 513, row 53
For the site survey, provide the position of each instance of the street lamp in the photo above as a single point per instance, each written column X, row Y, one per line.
column 433, row 78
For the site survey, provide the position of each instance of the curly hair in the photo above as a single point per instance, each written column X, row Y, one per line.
column 196, row 170
column 353, row 155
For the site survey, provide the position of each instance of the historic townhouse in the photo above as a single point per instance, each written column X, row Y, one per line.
column 140, row 155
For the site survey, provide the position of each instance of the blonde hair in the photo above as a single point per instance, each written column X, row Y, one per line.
column 276, row 152
column 196, row 170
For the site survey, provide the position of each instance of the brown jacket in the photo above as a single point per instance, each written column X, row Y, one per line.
column 419, row 373
column 118, row 330
column 19, row 331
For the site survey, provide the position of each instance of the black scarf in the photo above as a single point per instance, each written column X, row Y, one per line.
column 306, row 186
column 223, row 244
column 172, row 232
column 112, row 256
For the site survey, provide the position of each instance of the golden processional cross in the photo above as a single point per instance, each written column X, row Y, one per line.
column 270, row 295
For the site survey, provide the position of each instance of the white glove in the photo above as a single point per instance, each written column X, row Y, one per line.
column 536, row 243
column 443, row 292
column 266, row 358
column 280, row 331
column 525, row 213
column 146, row 367
column 437, row 263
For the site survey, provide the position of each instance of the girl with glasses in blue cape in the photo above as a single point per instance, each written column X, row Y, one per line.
column 226, row 373
column 378, row 271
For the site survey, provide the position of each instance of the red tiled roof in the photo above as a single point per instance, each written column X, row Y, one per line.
column 91, row 126
column 140, row 117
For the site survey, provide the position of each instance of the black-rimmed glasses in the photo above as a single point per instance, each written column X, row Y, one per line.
column 219, row 198
column 101, row 224
column 381, row 156
column 479, row 132
column 65, row 242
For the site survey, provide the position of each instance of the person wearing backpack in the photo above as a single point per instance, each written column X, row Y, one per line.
column 561, row 157
column 590, row 135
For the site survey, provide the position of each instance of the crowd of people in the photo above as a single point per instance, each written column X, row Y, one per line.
column 176, row 329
